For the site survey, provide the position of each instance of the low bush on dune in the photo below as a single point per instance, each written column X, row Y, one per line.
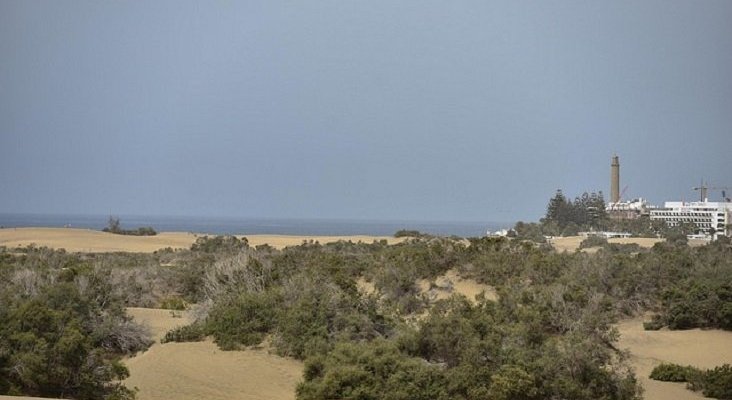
column 695, row 304
column 188, row 333
column 63, row 333
column 114, row 227
column 673, row 373
column 173, row 303
column 715, row 383
column 593, row 241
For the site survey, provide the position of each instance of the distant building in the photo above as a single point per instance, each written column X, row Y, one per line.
column 606, row 234
column 632, row 209
column 705, row 215
column 498, row 233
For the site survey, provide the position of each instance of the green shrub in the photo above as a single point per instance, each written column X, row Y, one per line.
column 114, row 226
column 173, row 303
column 593, row 241
column 243, row 320
column 717, row 382
column 408, row 233
column 672, row 373
column 187, row 333
column 654, row 324
column 220, row 243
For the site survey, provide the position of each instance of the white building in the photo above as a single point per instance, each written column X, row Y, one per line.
column 631, row 209
column 606, row 234
column 703, row 214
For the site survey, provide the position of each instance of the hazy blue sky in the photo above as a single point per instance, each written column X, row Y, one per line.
column 421, row 110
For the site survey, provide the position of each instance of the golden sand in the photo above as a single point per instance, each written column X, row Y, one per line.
column 451, row 282
column 700, row 348
column 91, row 241
column 200, row 370
column 572, row 243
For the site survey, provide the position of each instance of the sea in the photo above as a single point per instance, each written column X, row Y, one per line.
column 252, row 226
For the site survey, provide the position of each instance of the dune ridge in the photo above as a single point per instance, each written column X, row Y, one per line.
column 91, row 241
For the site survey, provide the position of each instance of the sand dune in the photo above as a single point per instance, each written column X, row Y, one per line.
column 700, row 348
column 282, row 241
column 572, row 243
column 201, row 371
column 87, row 240
column 451, row 282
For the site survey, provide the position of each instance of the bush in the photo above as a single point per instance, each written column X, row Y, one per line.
column 407, row 233
column 173, row 303
column 220, row 243
column 593, row 241
column 59, row 341
column 371, row 371
column 654, row 324
column 717, row 382
column 696, row 304
column 113, row 226
column 187, row 333
column 672, row 373
column 242, row 321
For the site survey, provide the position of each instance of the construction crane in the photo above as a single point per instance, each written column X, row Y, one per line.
column 622, row 193
column 704, row 188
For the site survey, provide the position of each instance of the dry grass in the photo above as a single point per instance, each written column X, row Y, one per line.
column 700, row 348
column 201, row 371
column 90, row 241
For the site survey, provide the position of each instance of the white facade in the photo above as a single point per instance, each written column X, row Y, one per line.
column 640, row 205
column 606, row 234
column 703, row 214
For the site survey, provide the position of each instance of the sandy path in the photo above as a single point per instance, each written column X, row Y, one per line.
column 201, row 371
column 700, row 348
column 86, row 240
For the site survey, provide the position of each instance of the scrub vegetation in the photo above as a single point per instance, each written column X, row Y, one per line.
column 549, row 334
column 715, row 383
column 113, row 226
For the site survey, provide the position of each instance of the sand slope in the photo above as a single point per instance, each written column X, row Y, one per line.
column 451, row 282
column 201, row 371
column 282, row 241
column 572, row 243
column 700, row 348
column 87, row 240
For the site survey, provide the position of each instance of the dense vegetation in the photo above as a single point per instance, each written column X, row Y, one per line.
column 715, row 383
column 549, row 335
column 358, row 318
column 113, row 226
column 62, row 329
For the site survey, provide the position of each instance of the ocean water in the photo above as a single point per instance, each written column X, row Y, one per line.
column 251, row 226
